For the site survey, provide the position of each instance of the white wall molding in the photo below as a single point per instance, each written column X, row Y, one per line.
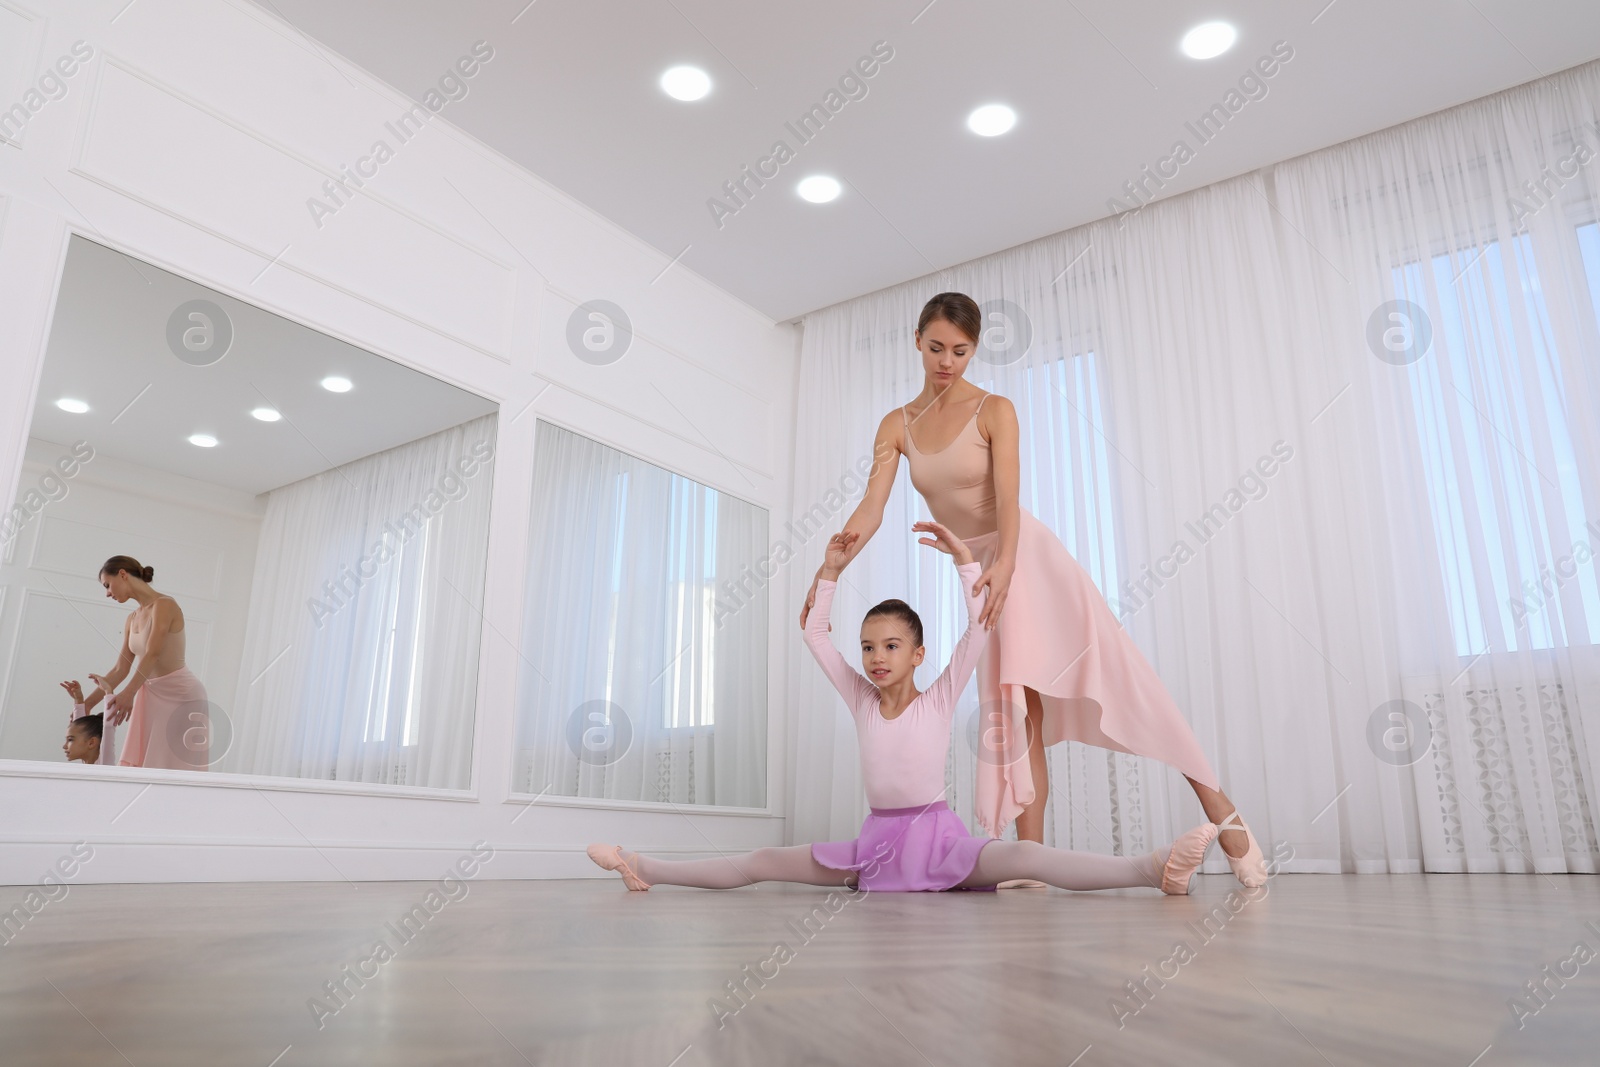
column 496, row 306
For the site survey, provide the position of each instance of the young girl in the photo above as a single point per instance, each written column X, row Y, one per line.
column 89, row 739
column 911, row 840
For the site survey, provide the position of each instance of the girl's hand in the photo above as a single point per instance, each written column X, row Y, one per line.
column 74, row 690
column 838, row 554
column 998, row 578
column 118, row 707
column 100, row 680
column 944, row 541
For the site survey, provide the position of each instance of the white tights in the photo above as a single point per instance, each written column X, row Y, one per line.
column 998, row 862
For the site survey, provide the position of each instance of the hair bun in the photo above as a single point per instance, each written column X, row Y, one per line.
column 149, row 573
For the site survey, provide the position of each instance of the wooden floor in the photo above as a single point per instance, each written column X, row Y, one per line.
column 1322, row 970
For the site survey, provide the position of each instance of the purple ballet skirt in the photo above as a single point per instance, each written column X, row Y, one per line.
column 925, row 848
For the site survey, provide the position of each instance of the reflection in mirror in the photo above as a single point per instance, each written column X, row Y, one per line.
column 239, row 544
column 644, row 645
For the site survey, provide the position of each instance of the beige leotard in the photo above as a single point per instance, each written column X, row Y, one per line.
column 958, row 480
column 171, row 657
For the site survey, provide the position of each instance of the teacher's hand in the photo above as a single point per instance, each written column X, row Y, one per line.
column 118, row 707
column 997, row 576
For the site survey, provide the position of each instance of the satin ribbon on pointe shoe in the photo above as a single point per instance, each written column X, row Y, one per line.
column 1250, row 868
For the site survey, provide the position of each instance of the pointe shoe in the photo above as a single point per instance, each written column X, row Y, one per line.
column 1250, row 868
column 1185, row 857
column 610, row 858
column 1021, row 883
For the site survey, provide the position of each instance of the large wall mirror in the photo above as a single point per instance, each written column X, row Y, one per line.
column 644, row 647
column 266, row 545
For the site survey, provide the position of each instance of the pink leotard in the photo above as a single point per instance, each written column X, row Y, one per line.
column 902, row 759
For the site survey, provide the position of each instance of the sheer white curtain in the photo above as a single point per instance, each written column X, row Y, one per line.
column 1466, row 246
column 365, row 618
column 644, row 641
column 1300, row 532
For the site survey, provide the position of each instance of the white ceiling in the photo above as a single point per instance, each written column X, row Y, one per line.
column 108, row 347
column 1100, row 87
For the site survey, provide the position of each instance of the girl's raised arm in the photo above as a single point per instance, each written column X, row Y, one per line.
column 946, row 689
column 850, row 683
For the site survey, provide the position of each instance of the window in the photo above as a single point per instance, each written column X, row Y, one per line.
column 392, row 703
column 1478, row 437
column 1066, row 461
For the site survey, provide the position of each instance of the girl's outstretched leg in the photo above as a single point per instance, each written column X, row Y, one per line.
column 1002, row 861
column 791, row 864
column 1167, row 869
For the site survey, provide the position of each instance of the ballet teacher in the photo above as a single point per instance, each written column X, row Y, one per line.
column 163, row 703
column 1060, row 666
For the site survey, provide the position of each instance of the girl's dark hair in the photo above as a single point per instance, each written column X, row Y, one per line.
column 899, row 609
column 129, row 564
column 958, row 309
column 93, row 725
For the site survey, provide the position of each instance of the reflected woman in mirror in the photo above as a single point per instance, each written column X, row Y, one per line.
column 163, row 703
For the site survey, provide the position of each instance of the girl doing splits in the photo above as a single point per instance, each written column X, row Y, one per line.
column 911, row 840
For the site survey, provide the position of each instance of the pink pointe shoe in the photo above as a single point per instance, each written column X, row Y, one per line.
column 609, row 857
column 1187, row 853
column 1250, row 868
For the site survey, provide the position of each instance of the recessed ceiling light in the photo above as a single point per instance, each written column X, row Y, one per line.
column 266, row 414
column 686, row 83
column 819, row 189
column 336, row 384
column 202, row 440
column 1208, row 39
column 77, row 407
column 991, row 120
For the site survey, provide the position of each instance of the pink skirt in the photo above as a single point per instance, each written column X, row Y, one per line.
column 907, row 850
column 1059, row 637
column 170, row 725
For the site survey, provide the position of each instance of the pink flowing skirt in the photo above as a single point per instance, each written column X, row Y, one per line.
column 170, row 725
column 1059, row 637
column 906, row 850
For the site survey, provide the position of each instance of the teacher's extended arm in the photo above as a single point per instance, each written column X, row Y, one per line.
column 105, row 684
column 868, row 515
column 999, row 422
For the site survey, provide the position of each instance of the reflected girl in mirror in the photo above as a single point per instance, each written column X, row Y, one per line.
column 89, row 739
column 163, row 704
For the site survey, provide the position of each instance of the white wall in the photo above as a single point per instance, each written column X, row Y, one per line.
column 192, row 139
column 56, row 622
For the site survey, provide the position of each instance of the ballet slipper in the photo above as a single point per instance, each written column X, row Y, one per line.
column 1021, row 883
column 1184, row 859
column 1250, row 868
column 610, row 858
